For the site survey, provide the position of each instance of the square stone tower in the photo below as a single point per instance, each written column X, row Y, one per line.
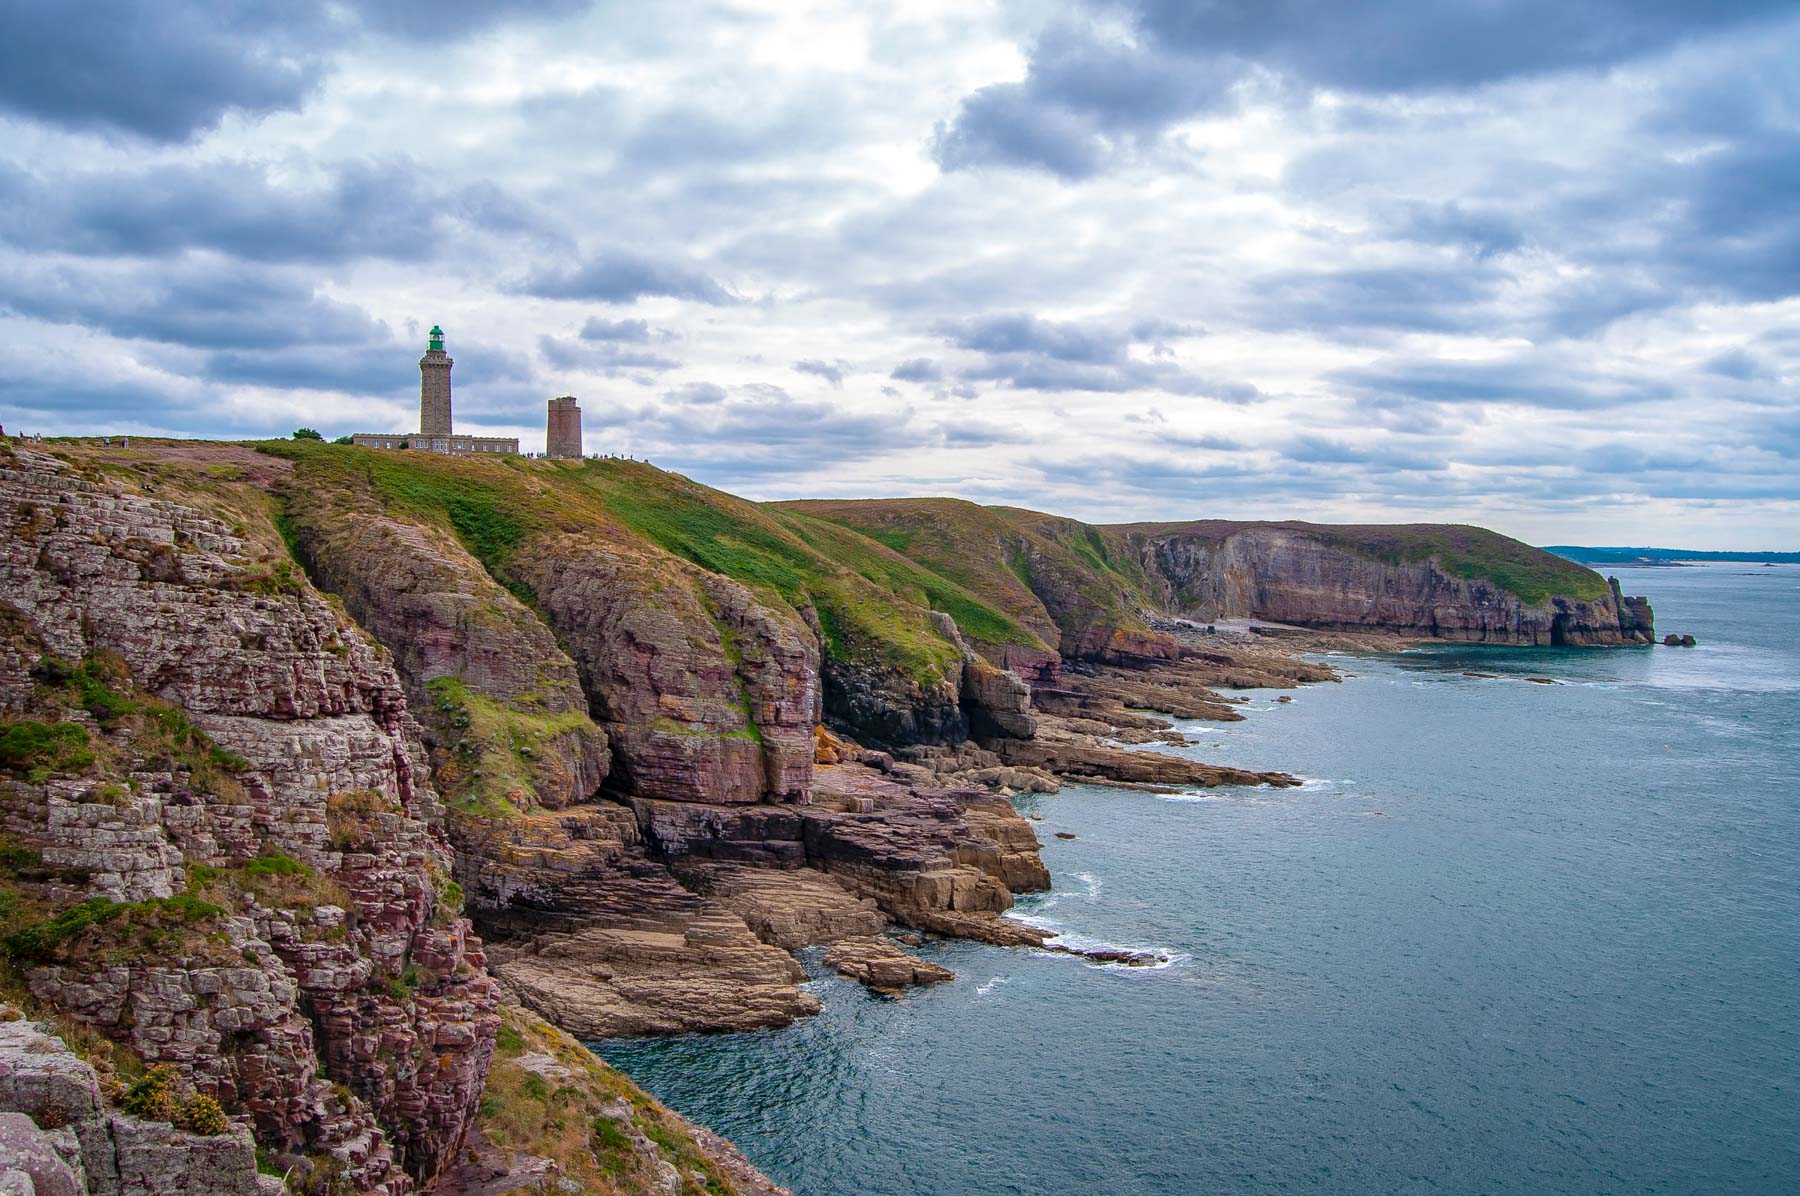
column 563, row 437
column 434, row 387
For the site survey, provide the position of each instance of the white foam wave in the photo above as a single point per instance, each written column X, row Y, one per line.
column 1190, row 797
column 984, row 989
column 1166, row 957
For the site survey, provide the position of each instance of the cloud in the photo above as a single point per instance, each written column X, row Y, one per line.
column 1283, row 258
column 1030, row 353
column 162, row 71
column 1425, row 297
column 388, row 208
column 832, row 371
column 1385, row 453
column 1022, row 333
column 622, row 276
column 1485, row 232
column 1374, row 47
column 172, row 69
column 597, row 329
column 1085, row 99
column 609, row 357
column 1552, row 379
column 1097, row 88
column 1741, row 364
column 918, row 369
column 697, row 394
column 201, row 303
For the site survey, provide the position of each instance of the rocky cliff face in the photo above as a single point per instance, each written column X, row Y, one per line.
column 243, row 767
column 242, row 816
column 452, row 628
column 1310, row 577
column 1095, row 593
column 707, row 693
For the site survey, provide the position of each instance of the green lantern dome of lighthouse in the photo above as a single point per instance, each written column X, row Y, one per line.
column 437, row 337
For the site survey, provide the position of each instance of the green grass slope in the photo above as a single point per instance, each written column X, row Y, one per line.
column 872, row 603
column 1055, row 576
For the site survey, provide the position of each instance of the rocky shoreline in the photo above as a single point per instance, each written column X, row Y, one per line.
column 348, row 796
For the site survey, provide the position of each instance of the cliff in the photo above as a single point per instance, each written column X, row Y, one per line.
column 224, row 874
column 1096, row 591
column 1417, row 580
column 326, row 773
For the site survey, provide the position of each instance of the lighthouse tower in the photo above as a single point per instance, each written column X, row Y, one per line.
column 434, row 387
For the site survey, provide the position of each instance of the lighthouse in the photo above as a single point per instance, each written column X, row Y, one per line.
column 436, row 434
column 434, row 387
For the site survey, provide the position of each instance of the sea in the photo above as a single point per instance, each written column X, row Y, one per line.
column 1508, row 937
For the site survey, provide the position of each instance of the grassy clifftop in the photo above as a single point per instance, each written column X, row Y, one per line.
column 872, row 603
column 1058, row 577
column 1531, row 574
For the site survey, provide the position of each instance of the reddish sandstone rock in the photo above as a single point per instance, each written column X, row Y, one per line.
column 435, row 608
column 326, row 768
column 1314, row 576
column 706, row 693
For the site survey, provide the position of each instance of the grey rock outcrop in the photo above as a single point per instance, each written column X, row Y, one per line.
column 58, row 1138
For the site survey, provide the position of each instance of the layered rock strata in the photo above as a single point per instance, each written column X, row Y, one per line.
column 345, row 966
column 59, row 1138
column 879, row 964
column 589, row 931
column 1308, row 576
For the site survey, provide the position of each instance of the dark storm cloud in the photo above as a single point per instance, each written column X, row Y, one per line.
column 386, row 209
column 623, row 275
column 167, row 70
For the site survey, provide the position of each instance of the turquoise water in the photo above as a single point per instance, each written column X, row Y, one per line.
column 1509, row 938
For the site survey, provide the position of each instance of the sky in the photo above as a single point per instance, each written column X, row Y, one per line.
column 1533, row 264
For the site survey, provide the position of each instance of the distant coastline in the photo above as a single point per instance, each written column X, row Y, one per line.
column 1667, row 557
